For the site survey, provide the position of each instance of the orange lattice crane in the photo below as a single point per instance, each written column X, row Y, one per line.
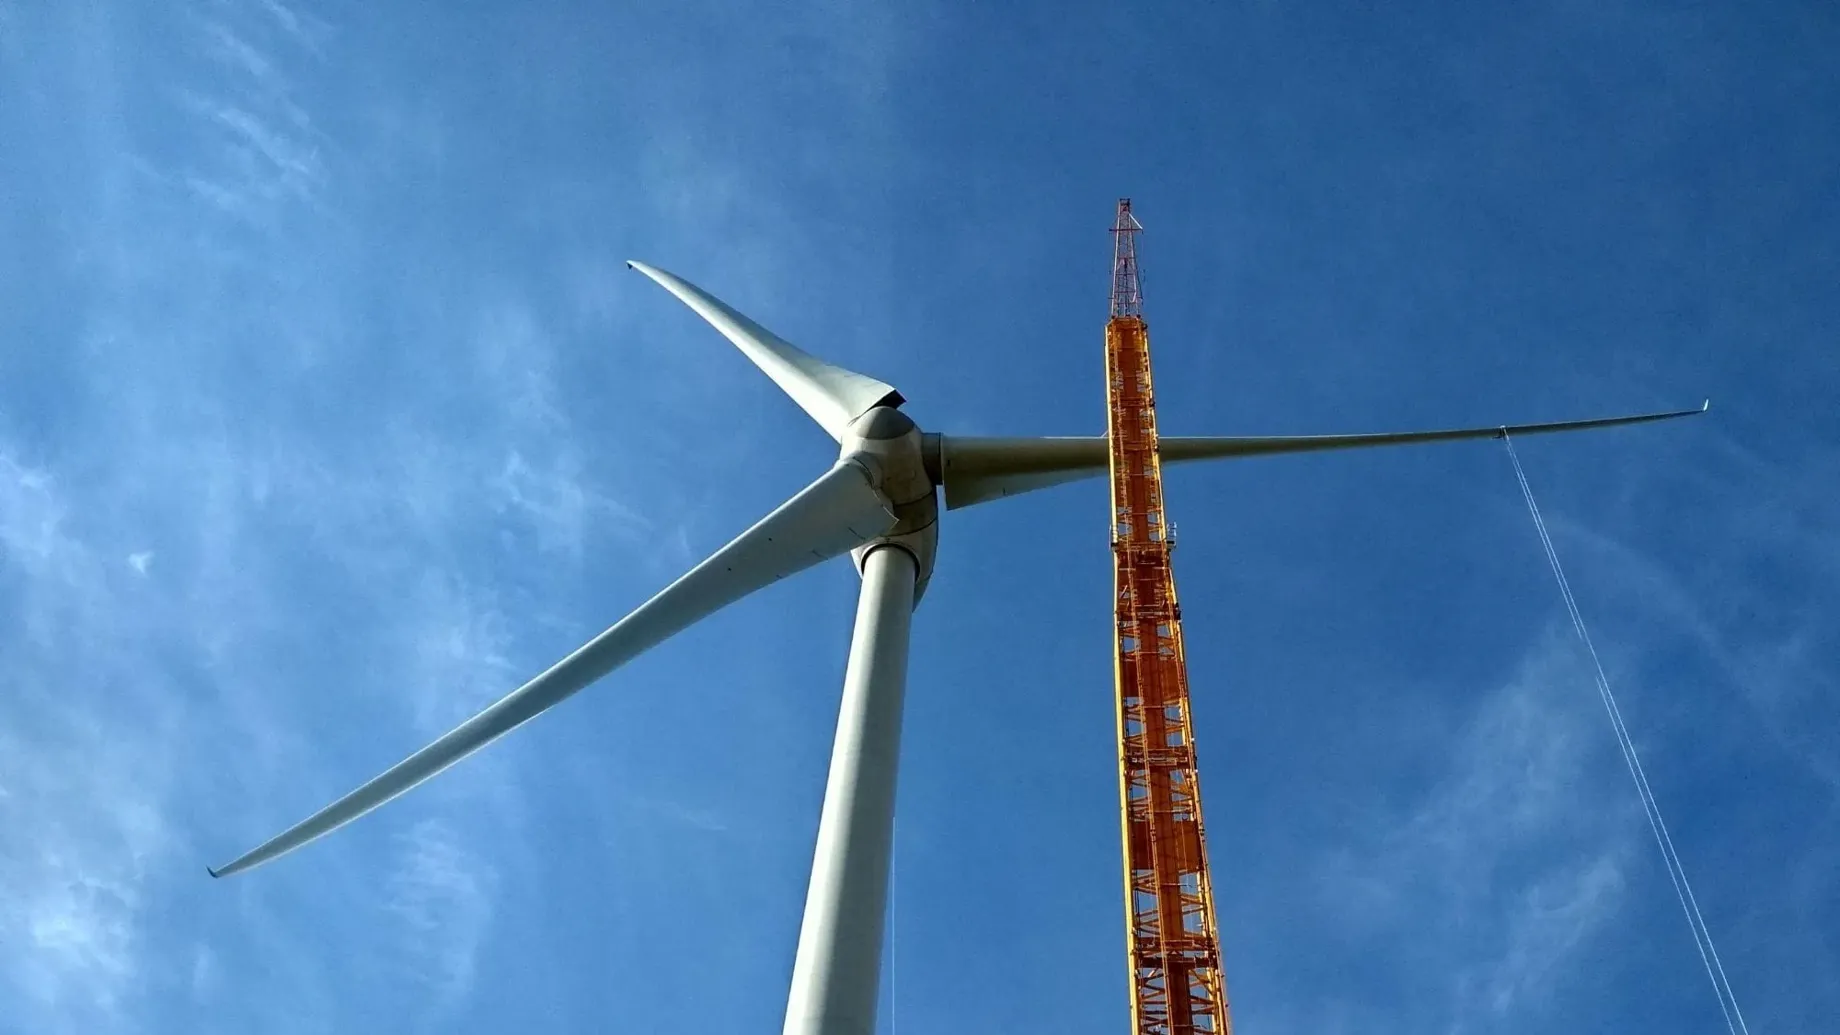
column 1176, row 983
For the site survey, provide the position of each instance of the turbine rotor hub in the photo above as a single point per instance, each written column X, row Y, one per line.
column 888, row 444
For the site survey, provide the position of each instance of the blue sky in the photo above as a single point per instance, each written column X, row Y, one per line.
column 328, row 414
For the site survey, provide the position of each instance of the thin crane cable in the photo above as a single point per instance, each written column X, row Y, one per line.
column 1677, row 874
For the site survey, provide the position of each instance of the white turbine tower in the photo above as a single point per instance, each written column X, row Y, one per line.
column 879, row 504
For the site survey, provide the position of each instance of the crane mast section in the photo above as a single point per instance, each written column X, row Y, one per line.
column 1173, row 945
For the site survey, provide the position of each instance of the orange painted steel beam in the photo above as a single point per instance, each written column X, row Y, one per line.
column 1177, row 987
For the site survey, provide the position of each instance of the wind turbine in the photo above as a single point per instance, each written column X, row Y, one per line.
column 880, row 504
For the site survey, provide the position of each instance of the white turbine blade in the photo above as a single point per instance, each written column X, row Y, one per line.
column 828, row 517
column 975, row 470
column 1175, row 450
column 832, row 395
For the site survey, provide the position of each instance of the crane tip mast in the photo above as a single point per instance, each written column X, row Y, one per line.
column 1127, row 291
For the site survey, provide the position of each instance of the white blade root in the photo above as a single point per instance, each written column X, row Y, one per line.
column 832, row 395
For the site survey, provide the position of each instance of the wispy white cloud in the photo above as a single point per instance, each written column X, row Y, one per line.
column 304, row 28
column 1766, row 636
column 1548, row 923
column 83, row 790
column 127, row 683
column 206, row 979
column 443, row 892
column 541, row 474
column 1509, row 860
column 456, row 642
column 226, row 45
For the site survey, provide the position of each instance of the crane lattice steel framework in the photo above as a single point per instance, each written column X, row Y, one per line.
column 1174, row 947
